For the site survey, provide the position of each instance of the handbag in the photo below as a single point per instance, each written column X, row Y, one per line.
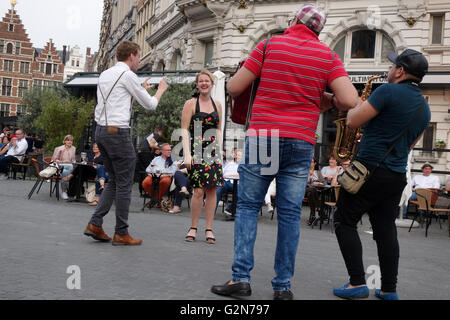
column 354, row 177
column 241, row 106
column 50, row 171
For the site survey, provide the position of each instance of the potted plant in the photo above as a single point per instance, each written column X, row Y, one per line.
column 440, row 144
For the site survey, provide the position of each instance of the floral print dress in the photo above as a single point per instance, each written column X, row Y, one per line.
column 207, row 168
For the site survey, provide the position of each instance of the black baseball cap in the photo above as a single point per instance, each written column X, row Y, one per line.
column 413, row 61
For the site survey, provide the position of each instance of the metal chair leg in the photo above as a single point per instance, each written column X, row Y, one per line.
column 39, row 189
column 34, row 188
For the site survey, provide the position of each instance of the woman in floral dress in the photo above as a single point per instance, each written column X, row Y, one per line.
column 202, row 144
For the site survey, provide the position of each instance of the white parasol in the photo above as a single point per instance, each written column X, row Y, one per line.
column 218, row 93
column 407, row 192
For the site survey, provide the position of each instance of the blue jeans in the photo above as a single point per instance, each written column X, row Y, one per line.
column 405, row 207
column 67, row 169
column 221, row 190
column 289, row 164
column 101, row 174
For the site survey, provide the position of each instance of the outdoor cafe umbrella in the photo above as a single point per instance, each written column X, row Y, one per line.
column 407, row 192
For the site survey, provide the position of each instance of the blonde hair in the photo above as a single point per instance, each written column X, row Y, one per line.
column 68, row 137
column 205, row 72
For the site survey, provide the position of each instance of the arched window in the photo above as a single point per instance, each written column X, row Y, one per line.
column 363, row 47
column 9, row 48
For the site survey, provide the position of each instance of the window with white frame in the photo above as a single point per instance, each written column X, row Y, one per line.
column 6, row 87
column 437, row 22
column 17, row 48
column 428, row 139
column 209, row 52
column 364, row 46
column 24, row 67
column 4, row 109
column 8, row 65
column 9, row 48
column 21, row 109
column 23, row 87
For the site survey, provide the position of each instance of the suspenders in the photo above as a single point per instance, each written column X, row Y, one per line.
column 110, row 129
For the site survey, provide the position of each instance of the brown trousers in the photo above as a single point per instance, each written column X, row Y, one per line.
column 164, row 185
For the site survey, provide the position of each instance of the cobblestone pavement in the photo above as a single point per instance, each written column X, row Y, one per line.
column 40, row 238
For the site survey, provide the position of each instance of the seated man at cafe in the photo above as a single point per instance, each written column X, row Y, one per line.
column 16, row 149
column 148, row 149
column 229, row 172
column 426, row 180
column 161, row 169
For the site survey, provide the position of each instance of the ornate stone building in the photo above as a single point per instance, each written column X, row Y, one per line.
column 74, row 63
column 192, row 34
column 105, row 30
column 118, row 24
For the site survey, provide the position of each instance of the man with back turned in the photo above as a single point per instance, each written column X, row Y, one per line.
column 116, row 88
column 390, row 109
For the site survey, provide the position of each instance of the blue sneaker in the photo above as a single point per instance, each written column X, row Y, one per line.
column 386, row 296
column 354, row 293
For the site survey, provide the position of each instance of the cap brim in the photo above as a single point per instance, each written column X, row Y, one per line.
column 392, row 56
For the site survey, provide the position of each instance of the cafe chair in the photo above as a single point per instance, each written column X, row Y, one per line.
column 427, row 200
column 54, row 180
column 22, row 165
column 330, row 205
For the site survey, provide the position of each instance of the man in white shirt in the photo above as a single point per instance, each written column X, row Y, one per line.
column 115, row 90
column 162, row 168
column 426, row 180
column 16, row 149
column 230, row 171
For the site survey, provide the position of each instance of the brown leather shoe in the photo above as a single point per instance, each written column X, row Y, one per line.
column 125, row 240
column 96, row 232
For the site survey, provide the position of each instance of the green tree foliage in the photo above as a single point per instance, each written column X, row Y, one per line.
column 33, row 99
column 60, row 115
column 168, row 113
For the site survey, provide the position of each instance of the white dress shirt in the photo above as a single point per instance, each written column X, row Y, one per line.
column 118, row 106
column 160, row 163
column 18, row 150
column 431, row 181
column 230, row 169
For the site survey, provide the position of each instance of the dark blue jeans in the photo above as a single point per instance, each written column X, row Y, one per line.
column 101, row 174
column 221, row 190
column 181, row 180
column 289, row 164
column 4, row 163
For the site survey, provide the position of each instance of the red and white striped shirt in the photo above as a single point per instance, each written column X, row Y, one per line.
column 297, row 69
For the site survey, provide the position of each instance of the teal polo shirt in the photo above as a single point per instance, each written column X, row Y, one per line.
column 397, row 104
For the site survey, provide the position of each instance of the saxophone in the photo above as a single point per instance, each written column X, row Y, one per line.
column 347, row 139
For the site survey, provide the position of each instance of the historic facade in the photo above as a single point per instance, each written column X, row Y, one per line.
column 22, row 66
column 122, row 17
column 74, row 62
column 217, row 34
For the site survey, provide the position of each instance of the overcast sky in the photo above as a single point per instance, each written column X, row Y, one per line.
column 67, row 22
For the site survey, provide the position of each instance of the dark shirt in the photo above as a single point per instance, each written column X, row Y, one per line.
column 397, row 104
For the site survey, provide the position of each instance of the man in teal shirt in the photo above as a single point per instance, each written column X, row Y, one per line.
column 387, row 112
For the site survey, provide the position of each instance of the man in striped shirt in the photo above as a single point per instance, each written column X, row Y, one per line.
column 295, row 71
